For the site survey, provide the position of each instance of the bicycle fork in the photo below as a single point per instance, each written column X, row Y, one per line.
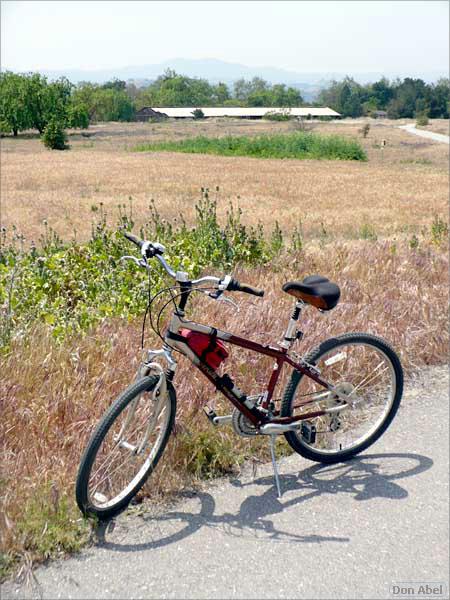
column 158, row 396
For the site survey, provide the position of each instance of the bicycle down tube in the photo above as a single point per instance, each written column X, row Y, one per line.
column 222, row 383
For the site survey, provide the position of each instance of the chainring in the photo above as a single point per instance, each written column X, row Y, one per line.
column 241, row 425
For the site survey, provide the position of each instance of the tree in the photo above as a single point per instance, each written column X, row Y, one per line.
column 382, row 92
column 54, row 136
column 104, row 104
column 46, row 100
column 111, row 105
column 439, row 99
column 393, row 109
column 221, row 93
column 407, row 94
column 369, row 106
column 259, row 97
column 259, row 92
column 115, row 84
column 37, row 101
column 345, row 97
column 241, row 89
column 132, row 91
column 85, row 94
column 14, row 112
column 292, row 97
column 77, row 115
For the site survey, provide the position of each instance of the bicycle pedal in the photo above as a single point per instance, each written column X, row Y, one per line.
column 210, row 413
column 308, row 432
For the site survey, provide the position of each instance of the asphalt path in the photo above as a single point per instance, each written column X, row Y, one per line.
column 437, row 137
column 353, row 530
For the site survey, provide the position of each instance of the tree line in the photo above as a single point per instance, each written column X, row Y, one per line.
column 407, row 98
column 30, row 101
column 172, row 89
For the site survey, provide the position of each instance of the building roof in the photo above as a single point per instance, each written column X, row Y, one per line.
column 257, row 111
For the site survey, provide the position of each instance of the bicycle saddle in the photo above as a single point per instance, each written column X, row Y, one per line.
column 315, row 290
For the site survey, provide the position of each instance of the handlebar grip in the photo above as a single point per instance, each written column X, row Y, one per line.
column 235, row 286
column 248, row 289
column 133, row 239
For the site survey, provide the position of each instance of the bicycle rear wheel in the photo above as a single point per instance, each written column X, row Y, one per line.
column 125, row 448
column 365, row 368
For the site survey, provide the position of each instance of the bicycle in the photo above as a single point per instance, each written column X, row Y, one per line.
column 351, row 387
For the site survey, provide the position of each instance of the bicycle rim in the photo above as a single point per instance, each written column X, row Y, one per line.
column 365, row 373
column 128, row 449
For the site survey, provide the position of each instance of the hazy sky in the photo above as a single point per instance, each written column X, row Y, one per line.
column 298, row 35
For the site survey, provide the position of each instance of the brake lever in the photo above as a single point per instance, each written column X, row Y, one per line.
column 218, row 295
column 226, row 299
column 139, row 262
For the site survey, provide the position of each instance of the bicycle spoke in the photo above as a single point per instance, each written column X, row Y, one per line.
column 365, row 382
column 116, row 451
column 365, row 374
column 119, row 465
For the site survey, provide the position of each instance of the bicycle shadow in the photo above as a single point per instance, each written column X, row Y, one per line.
column 365, row 478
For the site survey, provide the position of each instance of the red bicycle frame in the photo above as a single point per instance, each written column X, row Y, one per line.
column 225, row 385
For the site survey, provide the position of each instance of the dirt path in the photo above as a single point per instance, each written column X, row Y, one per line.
column 347, row 531
column 437, row 137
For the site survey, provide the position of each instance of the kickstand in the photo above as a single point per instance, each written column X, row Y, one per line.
column 274, row 463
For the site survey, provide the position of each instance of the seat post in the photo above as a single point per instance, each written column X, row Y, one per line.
column 290, row 336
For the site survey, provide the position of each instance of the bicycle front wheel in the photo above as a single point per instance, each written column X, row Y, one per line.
column 125, row 448
column 368, row 371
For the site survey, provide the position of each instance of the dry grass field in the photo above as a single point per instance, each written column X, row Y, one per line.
column 396, row 192
column 395, row 286
column 438, row 126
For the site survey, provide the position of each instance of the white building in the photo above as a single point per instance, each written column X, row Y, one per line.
column 256, row 112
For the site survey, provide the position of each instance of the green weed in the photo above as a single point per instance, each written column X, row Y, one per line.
column 71, row 287
column 49, row 527
column 367, row 232
column 439, row 231
column 300, row 145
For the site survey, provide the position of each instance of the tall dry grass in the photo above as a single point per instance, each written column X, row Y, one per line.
column 53, row 395
column 397, row 191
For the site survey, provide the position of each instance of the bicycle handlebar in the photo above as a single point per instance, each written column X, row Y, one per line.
column 236, row 286
column 150, row 250
column 139, row 243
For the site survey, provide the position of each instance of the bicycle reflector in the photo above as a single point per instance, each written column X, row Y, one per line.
column 207, row 347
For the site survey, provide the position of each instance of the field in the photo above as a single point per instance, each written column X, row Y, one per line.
column 378, row 228
column 397, row 191
column 437, row 126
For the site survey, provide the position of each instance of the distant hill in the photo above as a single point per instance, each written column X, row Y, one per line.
column 218, row 70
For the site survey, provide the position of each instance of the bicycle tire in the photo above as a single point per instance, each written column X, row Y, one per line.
column 313, row 357
column 134, row 391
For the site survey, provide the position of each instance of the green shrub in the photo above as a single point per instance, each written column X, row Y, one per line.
column 367, row 232
column 50, row 513
column 421, row 120
column 54, row 136
column 71, row 287
column 414, row 242
column 277, row 116
column 209, row 453
column 198, row 114
column 300, row 145
column 439, row 231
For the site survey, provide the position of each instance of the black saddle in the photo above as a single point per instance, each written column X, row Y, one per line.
column 315, row 290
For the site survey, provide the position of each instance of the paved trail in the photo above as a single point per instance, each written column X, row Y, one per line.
column 348, row 531
column 437, row 137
